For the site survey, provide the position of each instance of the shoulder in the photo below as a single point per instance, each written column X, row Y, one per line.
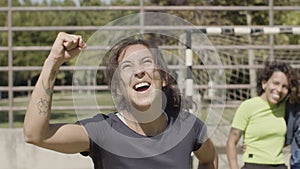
column 198, row 125
column 98, row 118
column 188, row 120
column 199, row 122
column 185, row 116
column 252, row 105
column 252, row 101
column 100, row 126
column 294, row 108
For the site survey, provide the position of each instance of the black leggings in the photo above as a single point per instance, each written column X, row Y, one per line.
column 263, row 166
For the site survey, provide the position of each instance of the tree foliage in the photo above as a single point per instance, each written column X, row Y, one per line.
column 102, row 17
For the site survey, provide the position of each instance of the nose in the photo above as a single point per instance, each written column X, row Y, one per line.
column 279, row 88
column 139, row 72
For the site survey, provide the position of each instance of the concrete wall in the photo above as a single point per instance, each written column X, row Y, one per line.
column 16, row 154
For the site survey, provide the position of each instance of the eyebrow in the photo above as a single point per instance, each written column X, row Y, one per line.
column 147, row 57
column 125, row 62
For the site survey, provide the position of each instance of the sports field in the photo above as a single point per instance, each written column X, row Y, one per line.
column 65, row 99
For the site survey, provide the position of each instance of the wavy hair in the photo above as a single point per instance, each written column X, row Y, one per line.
column 268, row 70
column 172, row 92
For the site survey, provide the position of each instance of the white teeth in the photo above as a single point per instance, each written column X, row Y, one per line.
column 276, row 96
column 142, row 84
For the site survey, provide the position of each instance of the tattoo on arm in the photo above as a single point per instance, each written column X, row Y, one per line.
column 43, row 106
column 47, row 90
column 236, row 132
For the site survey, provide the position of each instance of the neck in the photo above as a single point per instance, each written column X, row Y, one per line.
column 149, row 128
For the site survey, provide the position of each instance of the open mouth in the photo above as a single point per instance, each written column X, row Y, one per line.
column 276, row 96
column 142, row 86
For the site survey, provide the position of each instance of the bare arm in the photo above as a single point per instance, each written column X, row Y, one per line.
column 231, row 150
column 67, row 138
column 207, row 156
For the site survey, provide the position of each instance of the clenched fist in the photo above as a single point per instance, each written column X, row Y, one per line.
column 65, row 47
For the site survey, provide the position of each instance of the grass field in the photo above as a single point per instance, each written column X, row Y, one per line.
column 70, row 116
column 59, row 99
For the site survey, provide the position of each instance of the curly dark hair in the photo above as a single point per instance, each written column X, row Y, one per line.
column 294, row 97
column 172, row 92
column 268, row 70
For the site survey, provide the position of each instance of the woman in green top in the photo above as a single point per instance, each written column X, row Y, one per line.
column 260, row 120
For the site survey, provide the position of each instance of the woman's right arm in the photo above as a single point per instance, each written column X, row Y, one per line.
column 231, row 150
column 66, row 138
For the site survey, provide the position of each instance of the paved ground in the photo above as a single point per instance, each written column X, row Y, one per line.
column 16, row 154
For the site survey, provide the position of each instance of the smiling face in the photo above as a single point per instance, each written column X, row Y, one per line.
column 139, row 79
column 276, row 88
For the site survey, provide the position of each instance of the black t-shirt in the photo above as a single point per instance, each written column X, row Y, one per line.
column 113, row 145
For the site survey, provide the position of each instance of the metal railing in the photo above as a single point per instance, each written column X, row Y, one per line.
column 10, row 48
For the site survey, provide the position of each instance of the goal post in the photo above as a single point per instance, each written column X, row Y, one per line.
column 240, row 77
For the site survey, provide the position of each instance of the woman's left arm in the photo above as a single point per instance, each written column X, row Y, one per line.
column 207, row 156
